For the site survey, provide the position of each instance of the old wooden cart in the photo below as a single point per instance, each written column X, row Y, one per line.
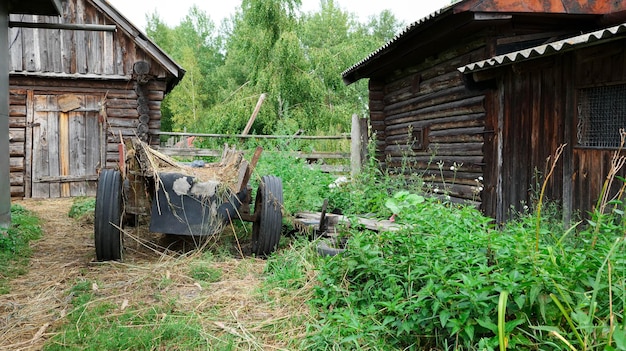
column 184, row 200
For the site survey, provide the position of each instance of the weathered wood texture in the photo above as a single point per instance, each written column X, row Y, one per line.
column 595, row 66
column 532, row 131
column 424, row 118
column 57, row 147
column 540, row 114
column 75, row 52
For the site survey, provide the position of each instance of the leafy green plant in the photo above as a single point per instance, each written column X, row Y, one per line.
column 304, row 186
column 14, row 244
column 82, row 206
column 452, row 281
column 404, row 204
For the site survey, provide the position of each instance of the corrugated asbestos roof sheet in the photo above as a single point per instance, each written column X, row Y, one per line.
column 395, row 39
column 547, row 49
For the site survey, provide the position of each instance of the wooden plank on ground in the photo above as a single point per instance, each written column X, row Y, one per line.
column 334, row 220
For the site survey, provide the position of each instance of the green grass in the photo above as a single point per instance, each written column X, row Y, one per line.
column 94, row 325
column 82, row 206
column 14, row 245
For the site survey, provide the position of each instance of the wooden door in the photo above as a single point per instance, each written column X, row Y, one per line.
column 66, row 134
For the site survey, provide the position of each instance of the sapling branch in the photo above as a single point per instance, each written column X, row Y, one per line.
column 557, row 155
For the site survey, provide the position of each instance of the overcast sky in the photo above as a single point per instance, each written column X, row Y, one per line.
column 171, row 12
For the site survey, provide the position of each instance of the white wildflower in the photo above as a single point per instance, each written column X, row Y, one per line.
column 480, row 178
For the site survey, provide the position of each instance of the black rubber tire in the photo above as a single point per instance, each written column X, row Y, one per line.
column 324, row 249
column 269, row 216
column 108, row 216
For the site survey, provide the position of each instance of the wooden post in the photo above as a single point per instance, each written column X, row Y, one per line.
column 358, row 146
column 246, row 130
column 5, row 166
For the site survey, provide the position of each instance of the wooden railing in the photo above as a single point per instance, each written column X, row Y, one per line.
column 353, row 160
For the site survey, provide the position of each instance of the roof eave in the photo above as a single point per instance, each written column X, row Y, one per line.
column 561, row 46
column 352, row 74
column 37, row 7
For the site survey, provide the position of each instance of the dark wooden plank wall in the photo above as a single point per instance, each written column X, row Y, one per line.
column 532, row 131
column 121, row 111
column 432, row 97
column 595, row 66
column 540, row 115
column 74, row 51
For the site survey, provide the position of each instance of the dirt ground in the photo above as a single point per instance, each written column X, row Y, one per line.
column 39, row 300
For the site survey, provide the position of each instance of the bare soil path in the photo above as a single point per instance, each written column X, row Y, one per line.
column 39, row 301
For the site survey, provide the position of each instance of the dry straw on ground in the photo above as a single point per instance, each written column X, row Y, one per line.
column 39, row 301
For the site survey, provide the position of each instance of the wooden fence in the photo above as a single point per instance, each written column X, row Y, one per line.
column 178, row 145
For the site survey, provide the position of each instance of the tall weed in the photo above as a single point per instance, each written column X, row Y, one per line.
column 437, row 284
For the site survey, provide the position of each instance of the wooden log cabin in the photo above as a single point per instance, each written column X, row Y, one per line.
column 477, row 96
column 78, row 83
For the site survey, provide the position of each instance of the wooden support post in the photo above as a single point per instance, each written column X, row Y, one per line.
column 5, row 175
column 358, row 146
column 254, row 114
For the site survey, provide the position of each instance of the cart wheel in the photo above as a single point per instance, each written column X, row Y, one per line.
column 269, row 217
column 108, row 216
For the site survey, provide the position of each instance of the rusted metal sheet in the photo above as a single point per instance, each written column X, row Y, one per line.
column 493, row 11
column 542, row 6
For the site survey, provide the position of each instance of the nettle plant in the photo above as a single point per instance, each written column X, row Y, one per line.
column 404, row 204
column 439, row 284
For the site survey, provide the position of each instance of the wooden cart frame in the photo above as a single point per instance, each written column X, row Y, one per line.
column 184, row 200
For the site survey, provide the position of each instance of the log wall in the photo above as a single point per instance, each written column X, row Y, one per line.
column 121, row 114
column 426, row 118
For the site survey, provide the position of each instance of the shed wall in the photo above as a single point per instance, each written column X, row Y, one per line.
column 426, row 118
column 75, row 52
column 533, row 129
column 541, row 113
column 120, row 106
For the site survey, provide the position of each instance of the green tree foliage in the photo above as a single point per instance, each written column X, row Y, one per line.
column 270, row 47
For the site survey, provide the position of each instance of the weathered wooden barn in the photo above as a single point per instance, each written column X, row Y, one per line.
column 77, row 84
column 478, row 95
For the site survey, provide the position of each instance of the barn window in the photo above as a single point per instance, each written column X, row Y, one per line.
column 420, row 138
column 601, row 114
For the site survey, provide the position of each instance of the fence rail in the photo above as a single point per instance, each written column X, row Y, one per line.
column 354, row 158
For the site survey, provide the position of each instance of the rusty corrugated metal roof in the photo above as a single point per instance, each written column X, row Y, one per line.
column 390, row 44
column 547, row 49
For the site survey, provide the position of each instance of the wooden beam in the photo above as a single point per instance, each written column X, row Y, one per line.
column 246, row 130
column 69, row 26
column 67, row 179
column 302, row 137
